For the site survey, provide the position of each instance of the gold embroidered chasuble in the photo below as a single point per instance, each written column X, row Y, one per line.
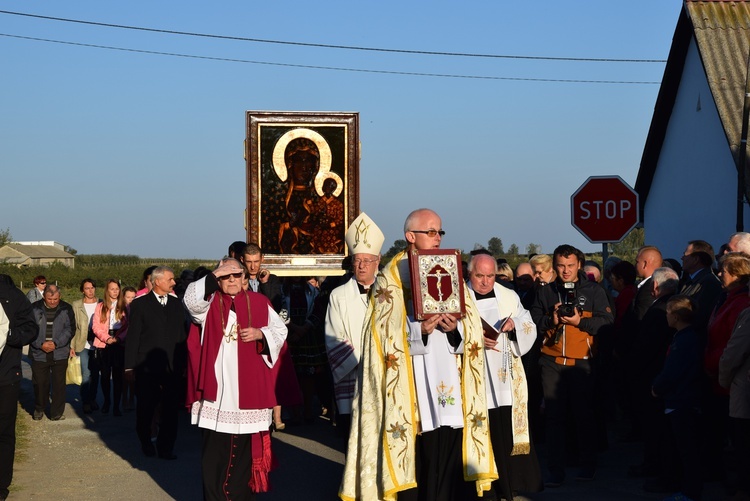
column 508, row 302
column 381, row 456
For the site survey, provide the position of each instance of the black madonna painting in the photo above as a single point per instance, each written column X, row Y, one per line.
column 302, row 173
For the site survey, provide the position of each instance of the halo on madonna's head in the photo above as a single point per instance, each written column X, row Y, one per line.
column 279, row 165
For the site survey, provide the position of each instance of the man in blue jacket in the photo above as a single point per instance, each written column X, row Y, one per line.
column 17, row 329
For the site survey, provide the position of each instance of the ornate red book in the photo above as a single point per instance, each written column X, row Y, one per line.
column 437, row 283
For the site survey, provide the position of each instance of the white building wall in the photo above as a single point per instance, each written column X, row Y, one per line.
column 694, row 190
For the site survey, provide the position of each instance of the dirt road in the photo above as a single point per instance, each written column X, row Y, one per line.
column 98, row 457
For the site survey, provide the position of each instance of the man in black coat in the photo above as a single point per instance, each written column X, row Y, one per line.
column 155, row 357
column 652, row 341
column 700, row 283
column 649, row 258
column 17, row 329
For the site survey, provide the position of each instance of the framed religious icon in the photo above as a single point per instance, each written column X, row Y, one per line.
column 437, row 283
column 302, row 188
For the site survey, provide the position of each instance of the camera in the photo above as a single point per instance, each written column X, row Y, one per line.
column 568, row 300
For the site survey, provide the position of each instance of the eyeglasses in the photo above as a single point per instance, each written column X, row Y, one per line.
column 42, row 283
column 430, row 233
column 357, row 262
column 235, row 275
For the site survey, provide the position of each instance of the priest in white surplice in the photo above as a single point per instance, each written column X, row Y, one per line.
column 419, row 416
column 346, row 314
column 507, row 394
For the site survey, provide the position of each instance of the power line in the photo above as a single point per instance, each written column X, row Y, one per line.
column 329, row 46
column 329, row 68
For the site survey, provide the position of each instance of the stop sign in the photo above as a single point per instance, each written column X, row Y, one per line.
column 604, row 209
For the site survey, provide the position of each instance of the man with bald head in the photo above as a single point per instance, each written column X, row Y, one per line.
column 413, row 402
column 649, row 258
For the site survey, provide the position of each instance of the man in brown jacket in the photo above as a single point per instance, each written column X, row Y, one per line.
column 569, row 313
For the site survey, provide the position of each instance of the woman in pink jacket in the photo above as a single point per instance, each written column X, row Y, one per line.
column 110, row 328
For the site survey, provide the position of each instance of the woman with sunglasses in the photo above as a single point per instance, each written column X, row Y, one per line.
column 35, row 294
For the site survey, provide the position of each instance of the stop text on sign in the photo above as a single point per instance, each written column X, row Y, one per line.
column 611, row 209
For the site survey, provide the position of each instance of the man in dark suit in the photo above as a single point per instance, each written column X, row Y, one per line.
column 700, row 283
column 705, row 289
column 155, row 357
column 649, row 258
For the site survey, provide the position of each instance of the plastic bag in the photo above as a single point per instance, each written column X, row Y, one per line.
column 73, row 373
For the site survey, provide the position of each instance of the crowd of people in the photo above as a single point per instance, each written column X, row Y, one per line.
column 441, row 407
column 659, row 346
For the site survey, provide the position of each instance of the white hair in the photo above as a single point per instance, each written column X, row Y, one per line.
column 158, row 272
column 666, row 280
column 743, row 241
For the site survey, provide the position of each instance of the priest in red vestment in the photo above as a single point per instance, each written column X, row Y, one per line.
column 233, row 392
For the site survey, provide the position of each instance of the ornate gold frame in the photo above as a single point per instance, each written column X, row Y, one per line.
column 336, row 137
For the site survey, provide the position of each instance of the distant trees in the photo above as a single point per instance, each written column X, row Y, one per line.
column 397, row 247
column 5, row 237
column 512, row 250
column 495, row 246
column 533, row 249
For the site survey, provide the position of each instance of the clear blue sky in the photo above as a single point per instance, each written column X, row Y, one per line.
column 129, row 153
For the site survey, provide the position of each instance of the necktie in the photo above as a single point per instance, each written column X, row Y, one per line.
column 163, row 300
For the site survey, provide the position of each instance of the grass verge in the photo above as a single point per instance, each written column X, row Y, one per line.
column 22, row 442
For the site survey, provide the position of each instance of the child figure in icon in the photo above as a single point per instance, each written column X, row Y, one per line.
column 329, row 212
